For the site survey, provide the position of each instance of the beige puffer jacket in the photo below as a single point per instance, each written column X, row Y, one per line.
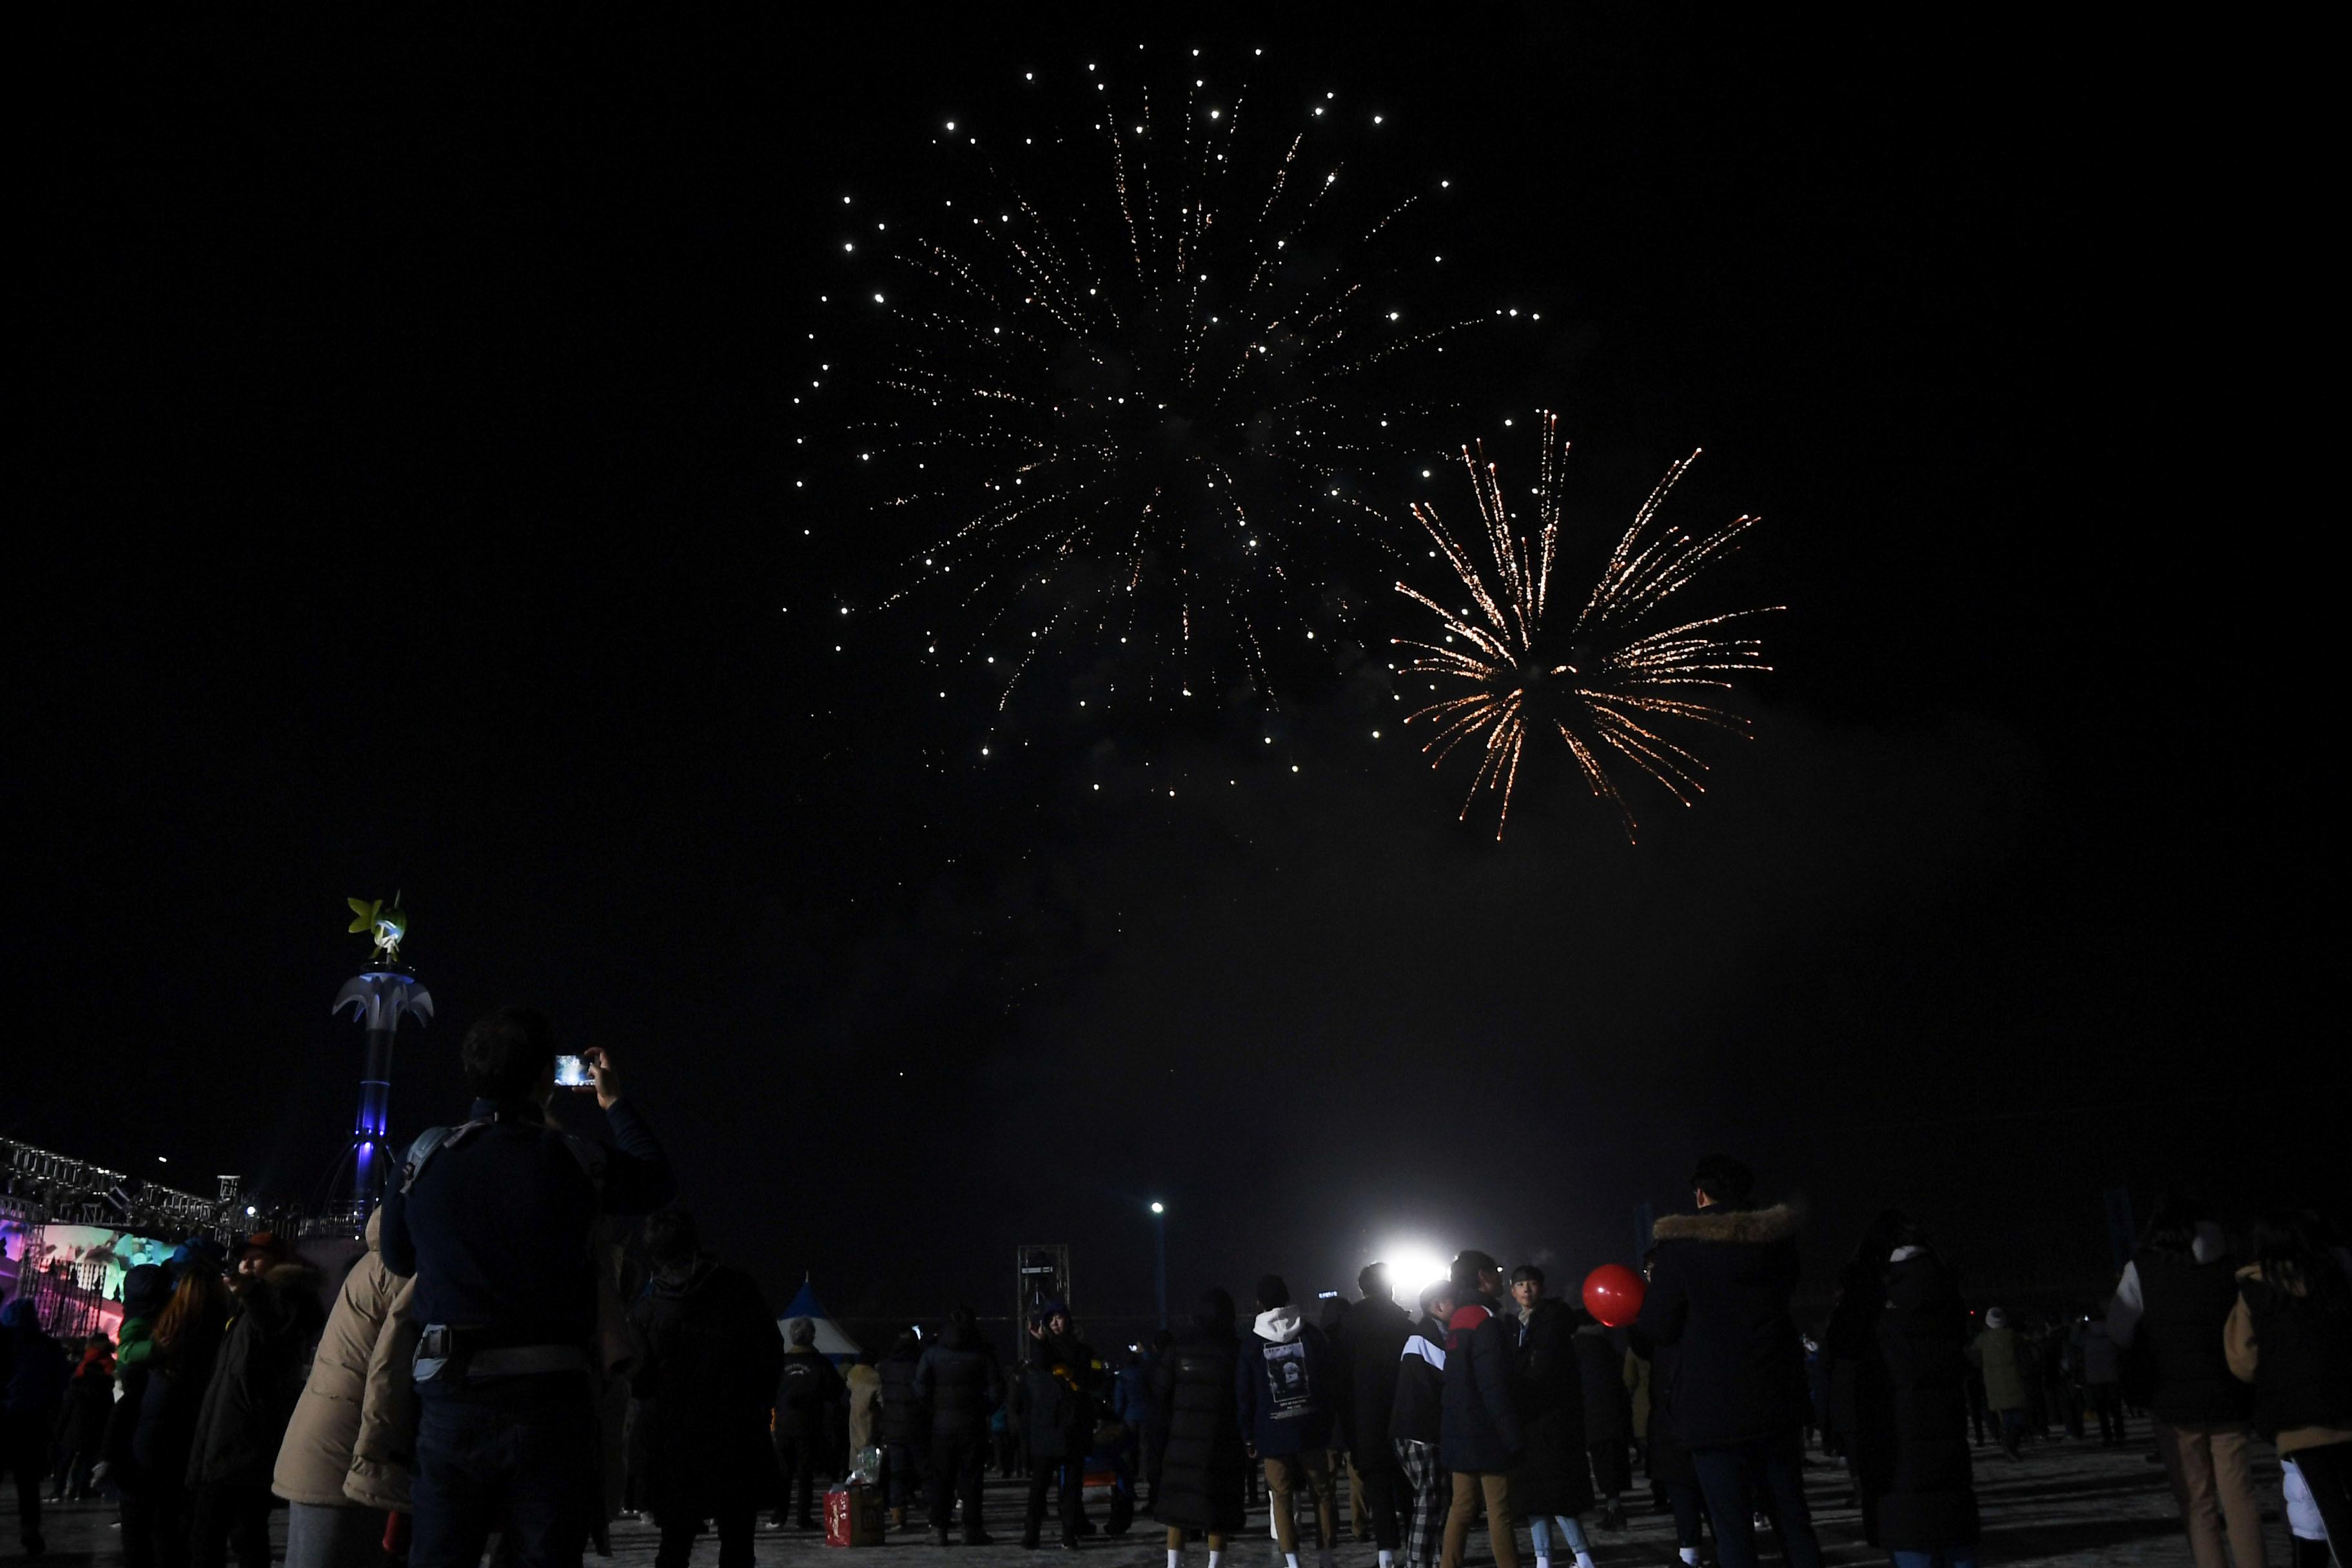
column 350, row 1441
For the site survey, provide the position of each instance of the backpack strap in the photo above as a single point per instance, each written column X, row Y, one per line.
column 429, row 1142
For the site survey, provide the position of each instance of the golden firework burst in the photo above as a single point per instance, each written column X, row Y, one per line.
column 1607, row 679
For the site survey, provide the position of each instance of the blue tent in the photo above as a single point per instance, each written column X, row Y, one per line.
column 830, row 1340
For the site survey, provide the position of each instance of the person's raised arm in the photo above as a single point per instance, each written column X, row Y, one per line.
column 637, row 1177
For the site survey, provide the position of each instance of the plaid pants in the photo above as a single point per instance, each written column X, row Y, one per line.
column 1424, row 1520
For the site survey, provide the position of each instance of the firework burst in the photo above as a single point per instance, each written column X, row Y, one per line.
column 1135, row 363
column 1606, row 677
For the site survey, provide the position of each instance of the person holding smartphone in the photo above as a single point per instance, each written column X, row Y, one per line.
column 494, row 1218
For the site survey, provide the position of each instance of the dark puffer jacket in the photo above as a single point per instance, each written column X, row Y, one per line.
column 904, row 1419
column 1202, row 1463
column 1720, row 1290
column 2184, row 1307
column 1480, row 1432
column 258, row 1382
column 1553, row 1476
column 712, row 1357
column 1372, row 1337
column 1916, row 1460
column 959, row 1380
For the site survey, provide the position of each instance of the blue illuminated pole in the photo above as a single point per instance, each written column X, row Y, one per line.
column 1160, row 1257
column 380, row 997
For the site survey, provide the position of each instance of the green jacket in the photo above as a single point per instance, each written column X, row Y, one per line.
column 1995, row 1354
column 138, row 1345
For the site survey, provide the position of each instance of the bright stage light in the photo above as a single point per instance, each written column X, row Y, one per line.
column 1413, row 1269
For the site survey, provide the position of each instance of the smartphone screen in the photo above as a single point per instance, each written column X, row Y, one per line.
column 571, row 1072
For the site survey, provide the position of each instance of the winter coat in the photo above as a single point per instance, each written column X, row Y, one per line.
column 1553, row 1476
column 1719, row 1290
column 1130, row 1396
column 958, row 1379
column 1608, row 1410
column 1059, row 1383
column 34, row 1368
column 2298, row 1359
column 904, row 1419
column 2184, row 1305
column 154, row 1427
column 89, row 1399
column 1930, row 1501
column 1995, row 1352
column 1480, row 1429
column 1417, row 1412
column 1202, row 1463
column 351, row 1439
column 2101, row 1361
column 260, row 1379
column 1910, row 1439
column 1371, row 1338
column 712, row 1361
column 865, row 1386
column 806, row 1389
column 1669, row 1460
column 1286, row 1384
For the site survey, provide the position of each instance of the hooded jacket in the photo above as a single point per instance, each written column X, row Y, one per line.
column 1480, row 1432
column 259, row 1380
column 1059, row 1383
column 350, row 1439
column 1719, row 1291
column 1285, row 1384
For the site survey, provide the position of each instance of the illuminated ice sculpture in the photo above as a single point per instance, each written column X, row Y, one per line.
column 380, row 996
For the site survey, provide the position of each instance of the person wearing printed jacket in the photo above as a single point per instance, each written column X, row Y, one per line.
column 1285, row 1384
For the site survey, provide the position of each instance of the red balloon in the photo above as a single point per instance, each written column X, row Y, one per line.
column 1612, row 1293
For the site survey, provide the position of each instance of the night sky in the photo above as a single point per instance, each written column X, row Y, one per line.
column 418, row 510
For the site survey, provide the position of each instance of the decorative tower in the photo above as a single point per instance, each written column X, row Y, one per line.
column 380, row 995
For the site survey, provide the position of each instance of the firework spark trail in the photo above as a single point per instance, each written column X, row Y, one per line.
column 1177, row 419
column 1597, row 684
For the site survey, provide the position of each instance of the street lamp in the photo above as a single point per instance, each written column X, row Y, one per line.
column 1160, row 1257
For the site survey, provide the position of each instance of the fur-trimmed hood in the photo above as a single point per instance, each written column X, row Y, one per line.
column 1754, row 1226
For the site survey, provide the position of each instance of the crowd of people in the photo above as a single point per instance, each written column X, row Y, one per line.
column 490, row 1376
